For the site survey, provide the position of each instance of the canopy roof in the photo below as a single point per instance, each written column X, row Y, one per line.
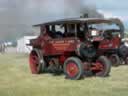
column 82, row 20
column 86, row 20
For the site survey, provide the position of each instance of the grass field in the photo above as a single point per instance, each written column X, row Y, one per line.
column 16, row 80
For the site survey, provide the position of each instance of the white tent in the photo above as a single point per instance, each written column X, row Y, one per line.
column 21, row 44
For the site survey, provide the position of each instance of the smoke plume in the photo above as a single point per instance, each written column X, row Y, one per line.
column 17, row 16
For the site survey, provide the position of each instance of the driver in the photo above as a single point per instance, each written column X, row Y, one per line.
column 108, row 35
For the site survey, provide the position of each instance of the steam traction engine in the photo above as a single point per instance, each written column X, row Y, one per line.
column 74, row 46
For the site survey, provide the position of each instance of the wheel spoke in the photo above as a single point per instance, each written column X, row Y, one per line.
column 97, row 67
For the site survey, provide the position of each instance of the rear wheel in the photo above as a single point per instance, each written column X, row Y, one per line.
column 73, row 68
column 103, row 67
column 115, row 60
column 126, row 60
column 36, row 62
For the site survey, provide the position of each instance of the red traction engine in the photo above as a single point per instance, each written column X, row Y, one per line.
column 70, row 46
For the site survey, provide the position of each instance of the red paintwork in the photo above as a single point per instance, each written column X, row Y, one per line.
column 110, row 44
column 59, row 46
column 33, row 62
column 72, row 69
column 98, row 66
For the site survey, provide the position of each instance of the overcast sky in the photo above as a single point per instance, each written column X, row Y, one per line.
column 114, row 8
column 16, row 16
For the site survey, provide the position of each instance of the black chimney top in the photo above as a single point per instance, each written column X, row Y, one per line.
column 85, row 15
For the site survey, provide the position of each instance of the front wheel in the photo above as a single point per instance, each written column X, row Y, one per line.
column 73, row 68
column 103, row 67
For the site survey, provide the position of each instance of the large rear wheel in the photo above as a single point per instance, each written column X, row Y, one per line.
column 36, row 62
column 102, row 67
column 73, row 68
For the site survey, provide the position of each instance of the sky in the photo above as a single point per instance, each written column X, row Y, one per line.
column 114, row 8
column 17, row 16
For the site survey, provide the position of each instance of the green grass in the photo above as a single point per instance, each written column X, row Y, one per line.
column 16, row 80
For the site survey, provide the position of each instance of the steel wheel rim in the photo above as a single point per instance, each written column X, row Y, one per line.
column 99, row 67
column 72, row 69
column 34, row 62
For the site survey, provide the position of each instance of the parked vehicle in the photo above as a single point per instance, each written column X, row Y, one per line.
column 112, row 44
column 123, row 51
column 77, row 46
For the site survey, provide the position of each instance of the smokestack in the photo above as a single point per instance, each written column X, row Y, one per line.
column 84, row 15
